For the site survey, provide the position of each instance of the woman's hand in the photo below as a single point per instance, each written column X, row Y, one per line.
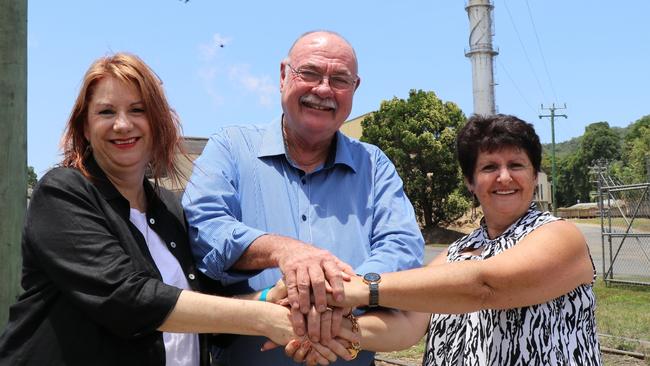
column 316, row 352
column 356, row 294
column 278, row 327
column 278, row 294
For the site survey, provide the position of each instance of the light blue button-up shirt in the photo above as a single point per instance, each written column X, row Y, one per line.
column 243, row 186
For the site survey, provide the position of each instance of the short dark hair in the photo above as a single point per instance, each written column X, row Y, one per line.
column 493, row 133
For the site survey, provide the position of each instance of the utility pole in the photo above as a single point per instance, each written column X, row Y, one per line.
column 13, row 147
column 552, row 109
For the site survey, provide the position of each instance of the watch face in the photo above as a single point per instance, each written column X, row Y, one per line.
column 372, row 277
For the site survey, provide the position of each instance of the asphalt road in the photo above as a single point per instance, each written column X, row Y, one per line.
column 633, row 259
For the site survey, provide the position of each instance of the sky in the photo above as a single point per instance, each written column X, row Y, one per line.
column 592, row 55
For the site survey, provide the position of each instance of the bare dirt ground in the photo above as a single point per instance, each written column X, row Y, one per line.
column 455, row 230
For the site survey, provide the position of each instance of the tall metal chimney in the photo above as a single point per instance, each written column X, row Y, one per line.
column 481, row 54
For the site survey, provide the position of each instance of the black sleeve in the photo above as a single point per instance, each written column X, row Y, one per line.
column 69, row 234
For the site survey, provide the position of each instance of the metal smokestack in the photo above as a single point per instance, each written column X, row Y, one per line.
column 481, row 54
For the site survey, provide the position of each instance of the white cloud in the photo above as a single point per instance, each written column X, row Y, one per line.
column 208, row 73
column 212, row 71
column 208, row 76
column 260, row 85
column 208, row 51
column 219, row 40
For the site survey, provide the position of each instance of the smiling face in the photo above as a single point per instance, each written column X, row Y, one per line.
column 118, row 129
column 315, row 112
column 504, row 182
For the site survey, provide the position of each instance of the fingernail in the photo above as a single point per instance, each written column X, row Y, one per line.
column 339, row 298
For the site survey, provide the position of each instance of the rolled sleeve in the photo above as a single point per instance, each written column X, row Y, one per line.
column 214, row 214
column 396, row 240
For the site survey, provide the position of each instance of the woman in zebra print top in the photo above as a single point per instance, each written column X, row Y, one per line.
column 516, row 291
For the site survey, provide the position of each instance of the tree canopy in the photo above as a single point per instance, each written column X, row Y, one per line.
column 418, row 134
column 31, row 177
column 635, row 153
column 624, row 149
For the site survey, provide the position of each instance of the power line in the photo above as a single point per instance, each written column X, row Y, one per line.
column 530, row 64
column 516, row 86
column 539, row 46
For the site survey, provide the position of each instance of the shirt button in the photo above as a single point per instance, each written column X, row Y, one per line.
column 172, row 244
column 304, row 218
column 304, row 181
column 191, row 276
column 152, row 221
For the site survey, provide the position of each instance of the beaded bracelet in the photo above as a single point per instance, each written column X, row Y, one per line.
column 264, row 293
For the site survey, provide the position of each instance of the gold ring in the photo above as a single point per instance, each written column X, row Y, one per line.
column 354, row 349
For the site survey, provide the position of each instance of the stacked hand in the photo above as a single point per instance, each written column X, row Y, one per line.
column 312, row 278
column 302, row 349
column 310, row 274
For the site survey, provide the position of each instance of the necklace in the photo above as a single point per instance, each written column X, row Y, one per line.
column 287, row 153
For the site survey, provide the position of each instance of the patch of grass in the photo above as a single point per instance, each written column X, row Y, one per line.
column 623, row 311
column 411, row 355
column 639, row 224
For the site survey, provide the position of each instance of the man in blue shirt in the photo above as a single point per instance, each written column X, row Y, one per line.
column 299, row 200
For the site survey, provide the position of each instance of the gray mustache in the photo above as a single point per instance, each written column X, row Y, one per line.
column 316, row 100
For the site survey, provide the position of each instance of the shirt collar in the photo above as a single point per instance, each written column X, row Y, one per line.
column 272, row 141
column 99, row 179
column 532, row 209
column 273, row 145
column 111, row 194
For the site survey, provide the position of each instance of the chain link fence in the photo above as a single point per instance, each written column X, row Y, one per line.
column 625, row 229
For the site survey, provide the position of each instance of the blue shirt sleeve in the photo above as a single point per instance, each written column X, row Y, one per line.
column 213, row 209
column 396, row 241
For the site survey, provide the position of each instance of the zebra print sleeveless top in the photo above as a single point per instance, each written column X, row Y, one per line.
column 559, row 332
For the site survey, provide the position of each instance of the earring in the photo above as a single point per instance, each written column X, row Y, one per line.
column 88, row 151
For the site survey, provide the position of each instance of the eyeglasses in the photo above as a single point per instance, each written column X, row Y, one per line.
column 337, row 82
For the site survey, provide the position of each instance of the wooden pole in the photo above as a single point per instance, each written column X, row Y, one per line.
column 13, row 147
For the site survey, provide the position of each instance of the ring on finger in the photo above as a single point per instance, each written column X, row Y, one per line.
column 354, row 349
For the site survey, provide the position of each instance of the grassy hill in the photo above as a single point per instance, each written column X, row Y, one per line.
column 569, row 147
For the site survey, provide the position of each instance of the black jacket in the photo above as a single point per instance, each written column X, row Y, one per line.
column 93, row 295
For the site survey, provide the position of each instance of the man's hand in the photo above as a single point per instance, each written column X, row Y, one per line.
column 313, row 353
column 308, row 271
column 321, row 327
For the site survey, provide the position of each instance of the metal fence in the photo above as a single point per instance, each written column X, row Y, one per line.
column 624, row 216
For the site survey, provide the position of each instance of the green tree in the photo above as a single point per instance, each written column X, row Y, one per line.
column 599, row 142
column 31, row 177
column 635, row 152
column 571, row 173
column 418, row 135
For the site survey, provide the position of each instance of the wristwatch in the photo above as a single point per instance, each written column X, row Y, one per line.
column 373, row 279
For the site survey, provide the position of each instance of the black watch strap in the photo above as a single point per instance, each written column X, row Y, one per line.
column 372, row 279
column 374, row 294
